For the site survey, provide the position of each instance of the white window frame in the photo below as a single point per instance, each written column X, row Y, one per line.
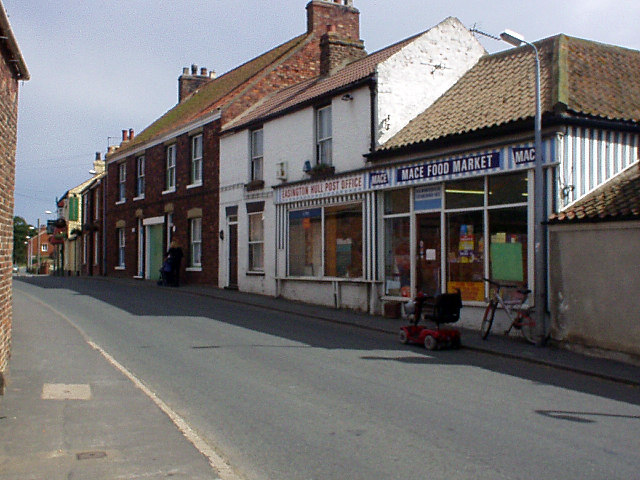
column 170, row 169
column 96, row 203
column 251, row 243
column 121, row 248
column 140, row 174
column 122, row 179
column 324, row 138
column 95, row 248
column 196, row 161
column 195, row 242
column 256, row 154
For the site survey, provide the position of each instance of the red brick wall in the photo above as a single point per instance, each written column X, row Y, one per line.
column 8, row 131
column 155, row 204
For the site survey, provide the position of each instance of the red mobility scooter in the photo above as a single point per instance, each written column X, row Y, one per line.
column 443, row 308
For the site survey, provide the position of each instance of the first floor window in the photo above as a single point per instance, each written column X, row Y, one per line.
column 256, row 242
column 95, row 248
column 257, row 142
column 122, row 178
column 121, row 245
column 170, row 170
column 195, row 242
column 323, row 136
column 140, row 177
column 196, row 160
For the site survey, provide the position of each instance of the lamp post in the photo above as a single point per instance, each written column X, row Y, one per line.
column 540, row 248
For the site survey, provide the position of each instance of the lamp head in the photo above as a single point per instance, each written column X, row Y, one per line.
column 512, row 38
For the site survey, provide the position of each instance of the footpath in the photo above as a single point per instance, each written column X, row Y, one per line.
column 68, row 412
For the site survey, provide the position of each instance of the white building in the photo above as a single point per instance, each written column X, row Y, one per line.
column 297, row 216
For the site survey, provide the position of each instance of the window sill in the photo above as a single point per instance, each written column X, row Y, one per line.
column 171, row 190
column 194, row 185
column 193, row 269
column 119, row 268
column 120, row 202
column 254, row 274
column 140, row 197
column 254, row 185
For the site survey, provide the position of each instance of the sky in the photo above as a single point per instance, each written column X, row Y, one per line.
column 98, row 67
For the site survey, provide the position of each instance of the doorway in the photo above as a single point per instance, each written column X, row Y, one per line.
column 428, row 256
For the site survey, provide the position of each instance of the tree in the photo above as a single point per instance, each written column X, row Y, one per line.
column 21, row 230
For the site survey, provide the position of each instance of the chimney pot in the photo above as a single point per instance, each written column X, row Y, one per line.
column 131, row 134
column 125, row 135
column 194, row 69
column 203, row 71
column 212, row 74
column 185, row 71
column 98, row 155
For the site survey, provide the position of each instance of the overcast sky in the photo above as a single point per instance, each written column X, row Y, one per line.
column 98, row 67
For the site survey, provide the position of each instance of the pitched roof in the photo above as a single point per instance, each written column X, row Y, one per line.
column 578, row 77
column 309, row 90
column 618, row 199
column 211, row 95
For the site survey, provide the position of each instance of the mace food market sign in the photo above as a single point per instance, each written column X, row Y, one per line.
column 469, row 164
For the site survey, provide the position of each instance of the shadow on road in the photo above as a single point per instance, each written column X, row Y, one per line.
column 147, row 300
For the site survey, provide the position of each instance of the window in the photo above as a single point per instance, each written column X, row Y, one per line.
column 140, row 177
column 85, row 208
column 196, row 160
column 323, row 136
column 122, row 178
column 343, row 241
column 170, row 181
column 195, row 242
column 257, row 138
column 121, row 245
column 397, row 257
column 85, row 249
column 326, row 242
column 96, row 204
column 256, row 241
column 465, row 247
column 170, row 227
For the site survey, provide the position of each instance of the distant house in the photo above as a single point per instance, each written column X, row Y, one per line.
column 594, row 280
column 457, row 200
column 12, row 69
column 163, row 184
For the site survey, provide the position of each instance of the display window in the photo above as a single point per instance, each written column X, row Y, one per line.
column 398, row 256
column 332, row 235
column 465, row 254
column 343, row 241
column 508, row 245
column 508, row 189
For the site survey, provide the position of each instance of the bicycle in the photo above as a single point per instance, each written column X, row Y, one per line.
column 516, row 309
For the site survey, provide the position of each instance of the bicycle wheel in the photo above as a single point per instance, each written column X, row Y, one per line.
column 528, row 328
column 487, row 319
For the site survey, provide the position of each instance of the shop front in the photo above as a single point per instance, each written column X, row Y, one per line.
column 432, row 226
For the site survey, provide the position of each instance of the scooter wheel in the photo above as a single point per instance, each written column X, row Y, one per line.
column 430, row 342
column 403, row 337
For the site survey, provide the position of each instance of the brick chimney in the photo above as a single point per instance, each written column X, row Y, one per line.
column 189, row 82
column 337, row 23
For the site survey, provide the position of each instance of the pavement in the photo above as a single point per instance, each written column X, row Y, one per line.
column 71, row 412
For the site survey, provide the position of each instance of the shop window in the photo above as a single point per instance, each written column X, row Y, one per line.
column 465, row 247
column 396, row 201
column 343, row 241
column 305, row 243
column 398, row 256
column 256, row 241
column 465, row 193
column 508, row 247
column 508, row 189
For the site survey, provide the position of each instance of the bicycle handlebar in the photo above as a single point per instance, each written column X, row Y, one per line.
column 500, row 285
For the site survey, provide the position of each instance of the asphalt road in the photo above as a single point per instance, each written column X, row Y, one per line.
column 288, row 397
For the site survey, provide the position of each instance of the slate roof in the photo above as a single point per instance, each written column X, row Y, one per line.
column 579, row 78
column 618, row 199
column 309, row 90
column 213, row 94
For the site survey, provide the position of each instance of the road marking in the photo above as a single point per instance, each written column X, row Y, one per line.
column 223, row 469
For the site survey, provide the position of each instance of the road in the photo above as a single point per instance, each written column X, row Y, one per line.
column 292, row 398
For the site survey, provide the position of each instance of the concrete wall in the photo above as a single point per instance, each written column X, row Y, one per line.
column 416, row 76
column 594, row 285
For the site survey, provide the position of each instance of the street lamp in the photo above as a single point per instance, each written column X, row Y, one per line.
column 540, row 249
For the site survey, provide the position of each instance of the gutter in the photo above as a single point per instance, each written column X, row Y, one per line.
column 6, row 35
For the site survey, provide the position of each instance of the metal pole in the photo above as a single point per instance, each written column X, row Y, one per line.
column 38, row 267
column 539, row 201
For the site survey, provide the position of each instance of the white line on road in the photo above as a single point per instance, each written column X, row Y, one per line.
column 223, row 469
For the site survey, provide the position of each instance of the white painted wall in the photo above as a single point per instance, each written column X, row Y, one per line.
column 416, row 76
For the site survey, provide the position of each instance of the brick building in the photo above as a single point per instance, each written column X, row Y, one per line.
column 163, row 184
column 12, row 69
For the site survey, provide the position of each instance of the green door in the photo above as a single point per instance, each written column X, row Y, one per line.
column 155, row 250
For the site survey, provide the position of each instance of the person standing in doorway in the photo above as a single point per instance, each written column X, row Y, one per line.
column 174, row 257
